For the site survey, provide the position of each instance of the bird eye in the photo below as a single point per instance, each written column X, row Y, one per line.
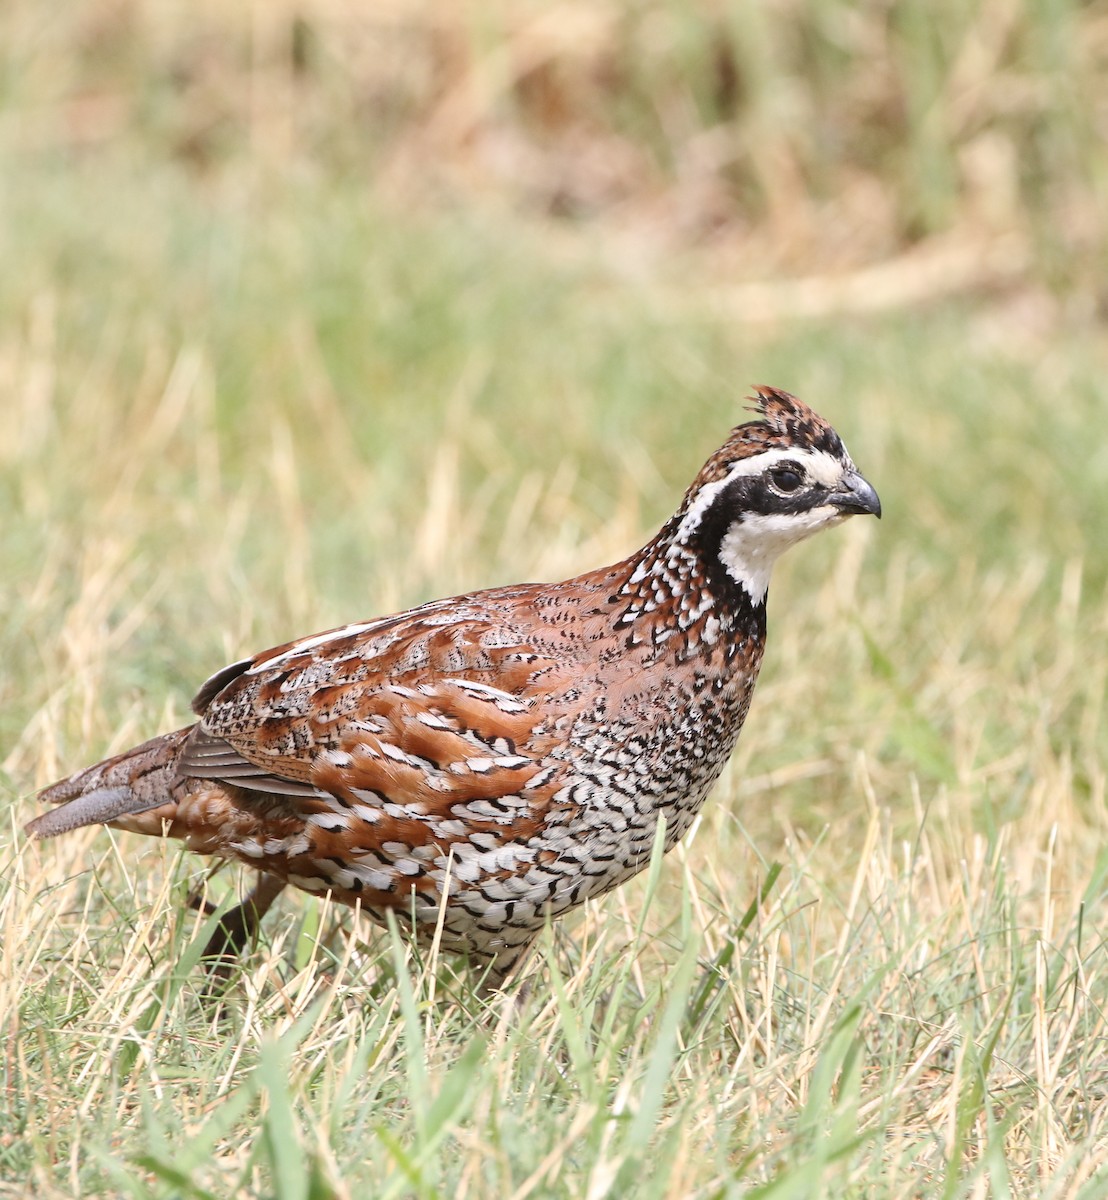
column 784, row 479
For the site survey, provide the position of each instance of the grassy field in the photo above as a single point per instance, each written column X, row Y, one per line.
column 246, row 401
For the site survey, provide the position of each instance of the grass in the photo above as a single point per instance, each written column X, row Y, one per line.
column 251, row 398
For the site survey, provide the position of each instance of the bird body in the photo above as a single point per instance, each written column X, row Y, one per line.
column 495, row 759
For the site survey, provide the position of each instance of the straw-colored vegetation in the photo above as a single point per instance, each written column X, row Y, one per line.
column 310, row 315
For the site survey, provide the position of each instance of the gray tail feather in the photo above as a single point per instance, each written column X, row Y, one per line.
column 133, row 782
column 93, row 808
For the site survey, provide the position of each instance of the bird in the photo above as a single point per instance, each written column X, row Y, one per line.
column 480, row 765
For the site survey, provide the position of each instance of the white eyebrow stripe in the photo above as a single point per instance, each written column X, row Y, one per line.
column 822, row 467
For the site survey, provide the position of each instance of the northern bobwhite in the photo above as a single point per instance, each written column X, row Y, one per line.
column 509, row 750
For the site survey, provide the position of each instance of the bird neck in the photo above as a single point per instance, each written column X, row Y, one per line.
column 674, row 595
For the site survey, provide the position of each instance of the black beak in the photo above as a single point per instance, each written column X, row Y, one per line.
column 856, row 497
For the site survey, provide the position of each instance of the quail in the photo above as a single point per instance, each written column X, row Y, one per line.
column 492, row 760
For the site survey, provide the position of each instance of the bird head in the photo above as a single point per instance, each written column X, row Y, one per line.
column 777, row 480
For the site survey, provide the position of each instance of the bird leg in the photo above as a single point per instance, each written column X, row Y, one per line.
column 503, row 968
column 238, row 927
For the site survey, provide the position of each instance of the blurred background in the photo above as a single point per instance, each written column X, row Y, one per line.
column 958, row 145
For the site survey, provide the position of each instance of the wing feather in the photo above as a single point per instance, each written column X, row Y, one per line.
column 206, row 757
column 412, row 717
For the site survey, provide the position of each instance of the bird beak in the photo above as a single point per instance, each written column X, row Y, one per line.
column 855, row 497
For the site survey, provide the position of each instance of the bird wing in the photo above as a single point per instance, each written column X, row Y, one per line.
column 404, row 717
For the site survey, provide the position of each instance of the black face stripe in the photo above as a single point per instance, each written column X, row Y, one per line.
column 755, row 494
column 766, row 500
column 744, row 494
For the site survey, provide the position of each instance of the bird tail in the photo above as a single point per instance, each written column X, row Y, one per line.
column 116, row 791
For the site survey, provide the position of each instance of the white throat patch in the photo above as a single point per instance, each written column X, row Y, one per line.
column 752, row 545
